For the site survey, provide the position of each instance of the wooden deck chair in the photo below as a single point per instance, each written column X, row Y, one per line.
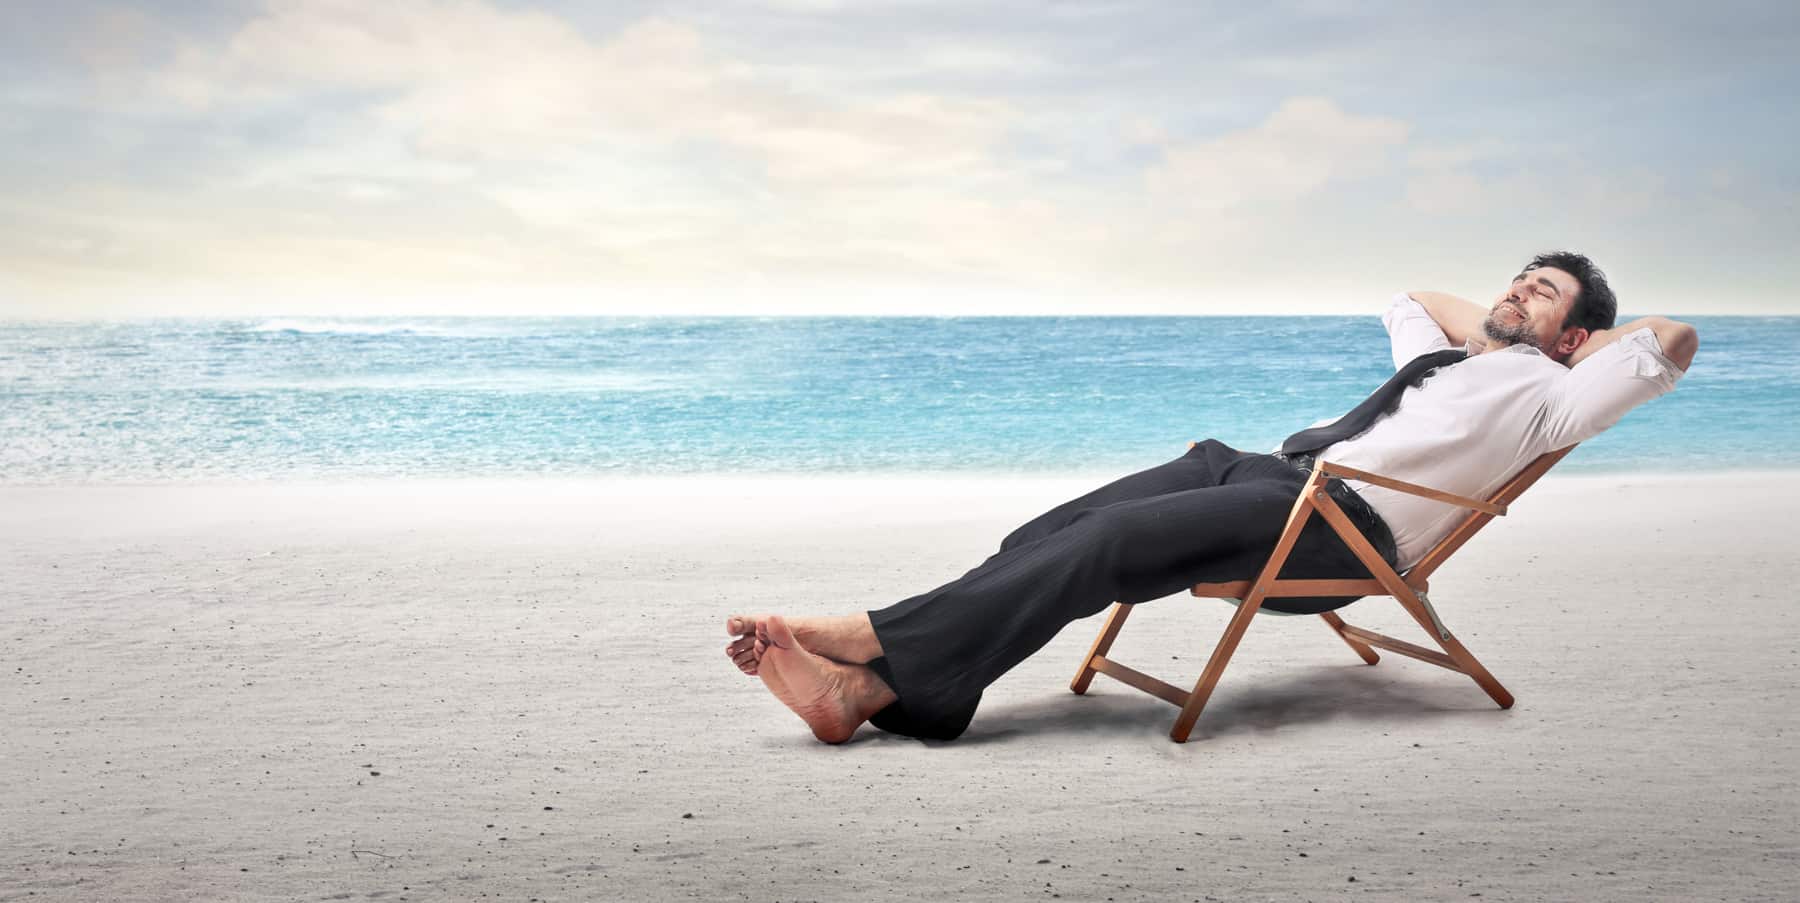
column 1409, row 589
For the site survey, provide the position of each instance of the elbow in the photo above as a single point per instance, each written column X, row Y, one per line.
column 1679, row 341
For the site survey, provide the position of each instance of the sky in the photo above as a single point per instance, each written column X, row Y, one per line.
column 408, row 157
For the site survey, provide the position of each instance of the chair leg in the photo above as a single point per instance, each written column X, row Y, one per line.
column 1474, row 669
column 1215, row 666
column 1246, row 611
column 1102, row 644
column 1464, row 659
column 1461, row 657
column 1361, row 648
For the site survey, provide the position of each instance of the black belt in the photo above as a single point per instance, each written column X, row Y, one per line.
column 1303, row 461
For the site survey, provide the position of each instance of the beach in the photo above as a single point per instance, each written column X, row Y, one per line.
column 398, row 400
column 412, row 689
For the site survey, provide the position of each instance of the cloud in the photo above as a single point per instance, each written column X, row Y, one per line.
column 643, row 153
column 1015, row 148
column 1306, row 144
column 470, row 81
column 1494, row 179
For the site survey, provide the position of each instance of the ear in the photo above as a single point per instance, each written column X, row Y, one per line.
column 1572, row 338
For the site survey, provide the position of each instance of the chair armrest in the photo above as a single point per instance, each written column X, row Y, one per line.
column 1339, row 470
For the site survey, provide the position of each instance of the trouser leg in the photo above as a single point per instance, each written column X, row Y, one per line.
column 1203, row 465
column 944, row 719
column 943, row 647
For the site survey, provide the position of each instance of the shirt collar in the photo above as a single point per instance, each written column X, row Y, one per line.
column 1473, row 348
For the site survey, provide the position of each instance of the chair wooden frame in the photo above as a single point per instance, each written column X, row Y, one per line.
column 1410, row 590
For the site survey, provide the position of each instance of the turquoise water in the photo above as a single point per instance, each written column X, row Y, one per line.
column 216, row 399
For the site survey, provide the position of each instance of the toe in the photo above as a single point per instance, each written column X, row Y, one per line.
column 779, row 634
column 740, row 625
column 743, row 653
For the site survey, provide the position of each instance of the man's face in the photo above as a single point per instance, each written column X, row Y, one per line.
column 1533, row 309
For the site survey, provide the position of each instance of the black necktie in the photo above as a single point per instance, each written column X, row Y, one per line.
column 1385, row 399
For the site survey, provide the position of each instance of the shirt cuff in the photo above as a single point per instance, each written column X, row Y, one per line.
column 1648, row 359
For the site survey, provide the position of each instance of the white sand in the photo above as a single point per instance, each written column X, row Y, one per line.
column 201, row 682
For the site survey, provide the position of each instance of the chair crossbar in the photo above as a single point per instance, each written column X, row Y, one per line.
column 1282, row 589
column 1462, row 501
column 1383, row 641
column 1133, row 677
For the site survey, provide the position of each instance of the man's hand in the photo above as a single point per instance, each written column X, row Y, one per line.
column 1679, row 340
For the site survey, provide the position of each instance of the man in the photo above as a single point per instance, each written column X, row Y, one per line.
column 1544, row 368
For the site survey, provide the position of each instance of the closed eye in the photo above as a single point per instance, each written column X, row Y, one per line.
column 1535, row 288
column 1539, row 286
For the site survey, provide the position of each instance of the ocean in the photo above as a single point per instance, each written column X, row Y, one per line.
column 208, row 400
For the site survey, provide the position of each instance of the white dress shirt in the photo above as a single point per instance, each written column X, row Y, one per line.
column 1471, row 426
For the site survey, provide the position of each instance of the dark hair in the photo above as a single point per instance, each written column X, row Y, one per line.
column 1595, row 307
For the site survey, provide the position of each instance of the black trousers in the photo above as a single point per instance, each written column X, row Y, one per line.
column 1213, row 514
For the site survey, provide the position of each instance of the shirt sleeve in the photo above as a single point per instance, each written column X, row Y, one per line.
column 1411, row 330
column 1599, row 390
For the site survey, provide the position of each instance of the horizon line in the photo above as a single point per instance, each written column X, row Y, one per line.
column 8, row 319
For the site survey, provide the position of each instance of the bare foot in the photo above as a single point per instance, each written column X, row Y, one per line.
column 849, row 639
column 833, row 698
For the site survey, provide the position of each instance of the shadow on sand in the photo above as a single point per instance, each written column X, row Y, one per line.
column 1300, row 697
